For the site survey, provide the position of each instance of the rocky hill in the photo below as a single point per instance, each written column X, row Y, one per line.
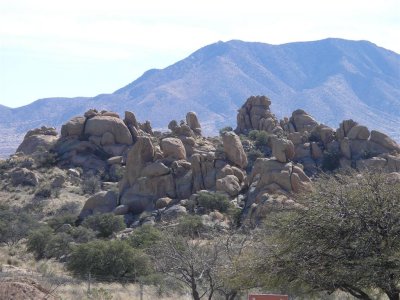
column 270, row 162
column 333, row 79
column 112, row 185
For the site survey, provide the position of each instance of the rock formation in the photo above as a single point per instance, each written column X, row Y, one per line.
column 255, row 114
column 38, row 139
column 163, row 172
column 234, row 150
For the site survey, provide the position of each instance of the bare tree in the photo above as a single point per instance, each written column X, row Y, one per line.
column 193, row 262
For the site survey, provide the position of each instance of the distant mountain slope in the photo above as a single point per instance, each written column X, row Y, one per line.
column 332, row 79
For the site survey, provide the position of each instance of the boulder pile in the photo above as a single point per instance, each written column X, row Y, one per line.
column 168, row 172
column 42, row 138
column 164, row 172
column 256, row 115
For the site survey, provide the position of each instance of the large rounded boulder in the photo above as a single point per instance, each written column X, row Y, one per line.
column 233, row 149
column 100, row 125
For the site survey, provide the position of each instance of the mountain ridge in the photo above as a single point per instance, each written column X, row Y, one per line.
column 332, row 79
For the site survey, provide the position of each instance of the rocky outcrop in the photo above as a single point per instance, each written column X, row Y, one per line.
column 164, row 171
column 282, row 149
column 169, row 172
column 256, row 115
column 89, row 141
column 384, row 141
column 270, row 176
column 193, row 122
column 138, row 157
column 233, row 149
column 99, row 126
column 42, row 139
column 301, row 121
column 356, row 142
column 102, row 202
column 173, row 148
column 190, row 128
column 73, row 127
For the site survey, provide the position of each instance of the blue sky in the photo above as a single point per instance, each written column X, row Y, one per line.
column 83, row 48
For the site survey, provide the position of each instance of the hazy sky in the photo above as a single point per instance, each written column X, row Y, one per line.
column 72, row 48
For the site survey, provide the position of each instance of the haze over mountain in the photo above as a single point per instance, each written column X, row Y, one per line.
column 332, row 79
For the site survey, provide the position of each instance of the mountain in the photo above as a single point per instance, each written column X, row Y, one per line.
column 332, row 79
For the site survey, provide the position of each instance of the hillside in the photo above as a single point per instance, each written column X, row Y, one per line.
column 332, row 79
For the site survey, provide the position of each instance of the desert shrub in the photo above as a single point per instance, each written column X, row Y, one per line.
column 15, row 225
column 57, row 221
column 104, row 224
column 44, row 190
column 112, row 259
column 82, row 234
column 144, row 237
column 252, row 156
column 58, row 245
column 235, row 213
column 91, row 185
column 44, row 158
column 212, row 201
column 38, row 241
column 190, row 225
column 225, row 129
column 7, row 164
column 45, row 243
column 330, row 161
column 260, row 137
column 253, row 134
column 69, row 208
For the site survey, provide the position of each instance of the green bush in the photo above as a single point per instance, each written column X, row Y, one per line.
column 14, row 225
column 44, row 158
column 260, row 137
column 82, row 234
column 57, row 221
column 253, row 134
column 58, row 245
column 114, row 259
column 235, row 213
column 44, row 190
column 38, row 241
column 91, row 185
column 144, row 237
column 225, row 129
column 190, row 225
column 44, row 243
column 212, row 201
column 104, row 224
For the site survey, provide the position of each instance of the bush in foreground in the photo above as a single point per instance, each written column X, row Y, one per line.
column 347, row 239
column 104, row 224
column 113, row 260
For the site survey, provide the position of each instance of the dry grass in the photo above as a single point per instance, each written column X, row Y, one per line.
column 18, row 266
column 114, row 290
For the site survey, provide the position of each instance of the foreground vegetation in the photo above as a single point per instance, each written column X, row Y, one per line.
column 345, row 236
